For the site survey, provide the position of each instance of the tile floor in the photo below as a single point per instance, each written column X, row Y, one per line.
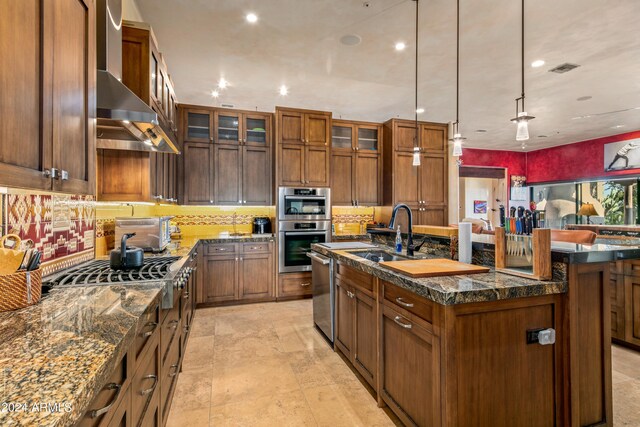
column 265, row 365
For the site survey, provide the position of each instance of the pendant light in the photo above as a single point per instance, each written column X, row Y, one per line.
column 457, row 136
column 522, row 119
column 416, row 139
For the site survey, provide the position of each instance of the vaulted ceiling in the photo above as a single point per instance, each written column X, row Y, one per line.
column 298, row 43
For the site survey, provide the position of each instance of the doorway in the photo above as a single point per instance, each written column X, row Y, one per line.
column 481, row 192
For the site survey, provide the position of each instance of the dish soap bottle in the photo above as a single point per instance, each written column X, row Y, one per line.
column 398, row 241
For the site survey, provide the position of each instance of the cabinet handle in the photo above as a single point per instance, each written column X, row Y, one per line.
column 174, row 324
column 111, row 386
column 149, row 333
column 241, row 259
column 350, row 294
column 55, row 173
column 46, row 173
column 402, row 302
column 153, row 387
column 173, row 374
column 186, row 295
column 239, row 202
column 357, row 148
column 305, row 284
column 404, row 325
column 211, row 201
column 64, row 175
column 236, row 259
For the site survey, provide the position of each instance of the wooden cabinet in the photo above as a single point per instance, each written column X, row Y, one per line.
column 237, row 272
column 624, row 291
column 356, row 167
column 424, row 188
column 294, row 285
column 47, row 117
column 617, row 293
column 237, row 171
column 126, row 175
column 304, row 151
column 344, row 318
column 145, row 72
column 632, row 310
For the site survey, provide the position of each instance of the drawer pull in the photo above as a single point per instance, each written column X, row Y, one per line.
column 404, row 325
column 111, row 386
column 350, row 294
column 153, row 387
column 403, row 303
column 149, row 333
column 173, row 374
column 174, row 324
column 305, row 284
column 186, row 295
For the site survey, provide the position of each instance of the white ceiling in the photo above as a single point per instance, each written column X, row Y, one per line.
column 297, row 43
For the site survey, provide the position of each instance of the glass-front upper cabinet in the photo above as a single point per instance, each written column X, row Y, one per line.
column 228, row 127
column 199, row 125
column 154, row 76
column 367, row 138
column 256, row 129
column 342, row 137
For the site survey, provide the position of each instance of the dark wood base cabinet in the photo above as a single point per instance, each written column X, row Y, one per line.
column 294, row 285
column 625, row 303
column 473, row 364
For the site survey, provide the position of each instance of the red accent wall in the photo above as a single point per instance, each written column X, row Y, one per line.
column 580, row 160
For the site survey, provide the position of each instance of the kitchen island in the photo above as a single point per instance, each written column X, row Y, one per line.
column 465, row 350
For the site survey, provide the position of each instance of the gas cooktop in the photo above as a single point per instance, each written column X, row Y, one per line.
column 98, row 272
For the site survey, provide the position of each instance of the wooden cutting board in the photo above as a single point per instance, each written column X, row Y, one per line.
column 433, row 267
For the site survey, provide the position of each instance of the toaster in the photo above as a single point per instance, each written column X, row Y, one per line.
column 151, row 234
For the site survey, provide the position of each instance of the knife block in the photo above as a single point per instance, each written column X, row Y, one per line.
column 538, row 267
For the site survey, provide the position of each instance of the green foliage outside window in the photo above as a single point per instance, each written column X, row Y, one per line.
column 613, row 203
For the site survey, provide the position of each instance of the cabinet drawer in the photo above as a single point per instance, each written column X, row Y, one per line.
column 145, row 382
column 355, row 277
column 294, row 284
column 148, row 325
column 397, row 297
column 122, row 414
column 106, row 402
column 632, row 267
column 170, row 370
column 220, row 249
column 170, row 326
column 264, row 247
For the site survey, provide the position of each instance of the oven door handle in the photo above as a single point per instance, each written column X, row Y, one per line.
column 304, row 233
column 305, row 197
column 319, row 258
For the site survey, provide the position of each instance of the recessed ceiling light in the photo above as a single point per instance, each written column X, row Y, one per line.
column 222, row 83
column 420, row 110
column 252, row 18
column 284, row 91
column 481, row 130
column 350, row 39
column 584, row 98
column 126, row 122
column 537, row 63
column 400, row 46
column 215, row 93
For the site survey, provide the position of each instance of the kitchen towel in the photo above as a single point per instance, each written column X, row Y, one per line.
column 464, row 242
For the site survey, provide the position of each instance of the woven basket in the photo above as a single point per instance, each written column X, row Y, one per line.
column 20, row 289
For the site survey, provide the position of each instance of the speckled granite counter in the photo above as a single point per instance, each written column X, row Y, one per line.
column 61, row 353
column 448, row 290
column 339, row 237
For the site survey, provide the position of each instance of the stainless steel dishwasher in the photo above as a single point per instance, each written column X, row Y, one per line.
column 323, row 299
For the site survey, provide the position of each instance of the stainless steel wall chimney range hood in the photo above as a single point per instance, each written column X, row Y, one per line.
column 125, row 122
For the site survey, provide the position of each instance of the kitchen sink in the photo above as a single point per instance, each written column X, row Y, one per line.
column 379, row 256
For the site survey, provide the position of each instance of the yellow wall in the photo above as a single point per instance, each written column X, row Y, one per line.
column 351, row 220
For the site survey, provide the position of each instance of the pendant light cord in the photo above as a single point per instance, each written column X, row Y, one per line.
column 457, row 130
column 417, row 143
column 522, row 58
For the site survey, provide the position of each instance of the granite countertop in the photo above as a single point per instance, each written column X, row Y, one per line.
column 338, row 237
column 449, row 290
column 61, row 353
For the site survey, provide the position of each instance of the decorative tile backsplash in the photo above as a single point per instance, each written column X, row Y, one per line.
column 61, row 226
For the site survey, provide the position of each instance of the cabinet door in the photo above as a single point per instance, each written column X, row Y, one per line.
column 431, row 216
column 433, row 180
column 256, row 176
column 369, row 138
column 317, row 129
column 220, row 281
column 342, row 137
column 342, row 175
column 292, row 164
column 198, row 174
column 198, row 125
column 71, row 70
column 404, row 136
column 365, row 341
column 632, row 309
column 256, row 129
column 410, row 369
column 23, row 155
column 291, row 127
column 405, row 180
column 228, row 126
column 344, row 318
column 433, row 138
column 228, row 174
column 317, row 165
column 124, row 175
column 617, row 292
column 367, row 178
column 256, row 277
